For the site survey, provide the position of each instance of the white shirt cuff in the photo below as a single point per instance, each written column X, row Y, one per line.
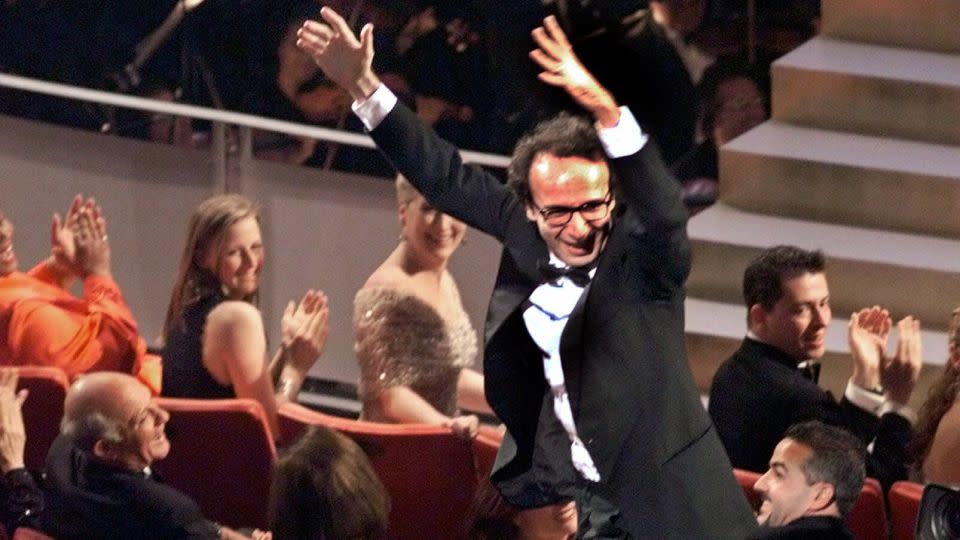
column 906, row 411
column 372, row 110
column 863, row 398
column 625, row 138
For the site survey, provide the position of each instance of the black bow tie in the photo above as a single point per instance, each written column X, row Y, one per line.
column 579, row 275
column 809, row 369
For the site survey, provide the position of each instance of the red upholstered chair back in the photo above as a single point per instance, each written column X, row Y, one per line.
column 26, row 533
column 904, row 499
column 485, row 448
column 868, row 517
column 747, row 479
column 428, row 472
column 222, row 455
column 42, row 411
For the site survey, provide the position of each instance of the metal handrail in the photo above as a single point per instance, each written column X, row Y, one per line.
column 218, row 116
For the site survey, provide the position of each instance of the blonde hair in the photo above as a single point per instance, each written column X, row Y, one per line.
column 208, row 226
column 405, row 190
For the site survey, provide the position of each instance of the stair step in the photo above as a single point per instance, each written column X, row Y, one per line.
column 917, row 24
column 906, row 273
column 822, row 175
column 869, row 89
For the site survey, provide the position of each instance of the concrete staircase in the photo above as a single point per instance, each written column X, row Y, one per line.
column 861, row 159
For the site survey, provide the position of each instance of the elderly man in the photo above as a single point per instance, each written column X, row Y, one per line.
column 99, row 482
column 42, row 323
column 815, row 477
column 584, row 357
column 770, row 381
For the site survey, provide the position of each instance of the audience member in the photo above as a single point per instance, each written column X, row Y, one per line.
column 937, row 438
column 99, row 483
column 562, row 364
column 491, row 517
column 655, row 70
column 214, row 341
column 730, row 105
column 768, row 384
column 44, row 324
column 326, row 489
column 414, row 341
column 815, row 476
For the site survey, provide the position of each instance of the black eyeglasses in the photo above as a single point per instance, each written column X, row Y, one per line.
column 558, row 216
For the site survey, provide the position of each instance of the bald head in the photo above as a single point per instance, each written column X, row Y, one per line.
column 114, row 416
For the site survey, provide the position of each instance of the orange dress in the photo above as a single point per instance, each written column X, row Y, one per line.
column 42, row 324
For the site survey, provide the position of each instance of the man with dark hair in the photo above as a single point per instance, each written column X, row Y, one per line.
column 584, row 356
column 770, row 382
column 730, row 104
column 815, row 476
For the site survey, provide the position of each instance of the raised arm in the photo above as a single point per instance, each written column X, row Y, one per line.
column 431, row 164
column 645, row 182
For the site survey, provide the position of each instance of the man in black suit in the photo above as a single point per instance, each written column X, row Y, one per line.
column 815, row 476
column 770, row 381
column 98, row 480
column 584, row 356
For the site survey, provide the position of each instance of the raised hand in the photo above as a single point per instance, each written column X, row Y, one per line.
column 63, row 249
column 13, row 435
column 304, row 329
column 90, row 237
column 563, row 69
column 867, row 334
column 344, row 58
column 899, row 374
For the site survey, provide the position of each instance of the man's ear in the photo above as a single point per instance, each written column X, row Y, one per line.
column 531, row 212
column 823, row 497
column 758, row 316
column 104, row 450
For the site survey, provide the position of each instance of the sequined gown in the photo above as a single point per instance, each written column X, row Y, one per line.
column 402, row 340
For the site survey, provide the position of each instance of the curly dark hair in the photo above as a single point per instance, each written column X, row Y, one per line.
column 838, row 458
column 940, row 398
column 564, row 135
column 763, row 278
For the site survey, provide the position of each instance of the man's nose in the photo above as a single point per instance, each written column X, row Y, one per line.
column 578, row 226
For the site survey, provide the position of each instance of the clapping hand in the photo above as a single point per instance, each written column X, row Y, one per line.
column 867, row 334
column 304, row 329
column 563, row 69
column 899, row 374
column 90, row 237
column 13, row 435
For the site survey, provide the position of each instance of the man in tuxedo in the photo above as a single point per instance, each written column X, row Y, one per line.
column 584, row 355
column 770, row 382
column 815, row 476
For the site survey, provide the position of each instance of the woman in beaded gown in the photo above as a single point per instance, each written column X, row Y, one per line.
column 414, row 341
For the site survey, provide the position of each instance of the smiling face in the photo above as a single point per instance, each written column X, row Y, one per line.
column 797, row 322
column 8, row 257
column 431, row 235
column 570, row 182
column 554, row 522
column 239, row 260
column 144, row 438
column 784, row 489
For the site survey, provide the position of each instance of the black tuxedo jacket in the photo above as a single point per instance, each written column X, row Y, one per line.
column 633, row 399
column 758, row 393
column 809, row 527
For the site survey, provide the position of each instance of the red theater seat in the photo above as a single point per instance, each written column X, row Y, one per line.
column 42, row 411
column 222, row 455
column 485, row 447
column 904, row 499
column 868, row 518
column 747, row 479
column 428, row 471
column 26, row 533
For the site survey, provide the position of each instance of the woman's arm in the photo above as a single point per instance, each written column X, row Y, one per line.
column 234, row 352
column 403, row 405
column 470, row 394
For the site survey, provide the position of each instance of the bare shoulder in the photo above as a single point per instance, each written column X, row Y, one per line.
column 388, row 276
column 234, row 314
